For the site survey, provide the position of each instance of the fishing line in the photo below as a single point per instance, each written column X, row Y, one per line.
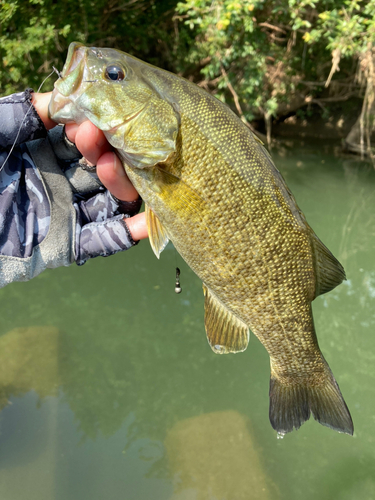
column 24, row 118
column 58, row 73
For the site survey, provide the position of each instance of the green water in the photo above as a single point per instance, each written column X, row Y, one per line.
column 109, row 390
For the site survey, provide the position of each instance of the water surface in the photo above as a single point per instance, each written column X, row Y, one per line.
column 109, row 389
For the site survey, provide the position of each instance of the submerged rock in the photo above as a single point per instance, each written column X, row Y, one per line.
column 214, row 456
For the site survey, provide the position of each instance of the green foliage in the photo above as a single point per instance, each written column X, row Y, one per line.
column 18, row 46
column 35, row 34
column 231, row 48
column 265, row 58
column 266, row 50
column 349, row 28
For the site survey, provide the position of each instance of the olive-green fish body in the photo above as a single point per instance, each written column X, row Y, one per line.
column 212, row 189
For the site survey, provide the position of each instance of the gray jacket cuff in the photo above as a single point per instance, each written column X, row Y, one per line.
column 103, row 239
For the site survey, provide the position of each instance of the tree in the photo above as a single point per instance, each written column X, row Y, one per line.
column 265, row 58
column 35, row 34
column 270, row 58
column 350, row 32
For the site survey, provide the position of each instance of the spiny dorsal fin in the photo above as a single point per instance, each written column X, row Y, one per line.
column 156, row 232
column 225, row 332
column 328, row 270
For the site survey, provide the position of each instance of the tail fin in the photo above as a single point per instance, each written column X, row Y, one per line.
column 291, row 404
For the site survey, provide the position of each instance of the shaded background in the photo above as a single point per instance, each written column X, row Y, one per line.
column 275, row 62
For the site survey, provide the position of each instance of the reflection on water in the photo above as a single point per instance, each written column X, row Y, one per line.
column 28, row 361
column 108, row 388
column 214, row 455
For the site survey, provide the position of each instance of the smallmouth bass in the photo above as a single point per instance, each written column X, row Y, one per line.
column 211, row 188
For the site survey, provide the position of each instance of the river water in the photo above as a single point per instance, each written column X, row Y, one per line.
column 109, row 390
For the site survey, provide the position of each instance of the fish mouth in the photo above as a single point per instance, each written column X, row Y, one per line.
column 71, row 84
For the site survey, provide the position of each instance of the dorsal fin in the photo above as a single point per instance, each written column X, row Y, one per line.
column 328, row 270
column 225, row 332
column 156, row 232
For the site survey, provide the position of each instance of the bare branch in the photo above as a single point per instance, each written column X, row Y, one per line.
column 337, row 98
column 276, row 28
column 337, row 82
column 336, row 56
column 237, row 102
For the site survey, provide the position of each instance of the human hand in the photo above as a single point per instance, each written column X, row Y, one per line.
column 92, row 144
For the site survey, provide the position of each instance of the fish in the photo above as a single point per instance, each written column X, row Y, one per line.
column 211, row 187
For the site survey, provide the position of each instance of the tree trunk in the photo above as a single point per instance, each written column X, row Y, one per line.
column 361, row 138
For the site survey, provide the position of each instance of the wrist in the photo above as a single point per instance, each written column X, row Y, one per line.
column 137, row 226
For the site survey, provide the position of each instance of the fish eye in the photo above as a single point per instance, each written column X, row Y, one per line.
column 114, row 73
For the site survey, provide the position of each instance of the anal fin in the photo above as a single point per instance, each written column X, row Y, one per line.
column 225, row 332
column 156, row 232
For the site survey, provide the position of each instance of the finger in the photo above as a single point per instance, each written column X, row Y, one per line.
column 91, row 142
column 137, row 226
column 112, row 174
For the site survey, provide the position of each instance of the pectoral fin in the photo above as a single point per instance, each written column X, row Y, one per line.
column 225, row 332
column 156, row 232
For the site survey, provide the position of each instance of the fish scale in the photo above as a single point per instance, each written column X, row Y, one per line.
column 211, row 188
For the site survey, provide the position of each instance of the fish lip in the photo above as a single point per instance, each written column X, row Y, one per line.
column 73, row 72
column 68, row 87
column 76, row 52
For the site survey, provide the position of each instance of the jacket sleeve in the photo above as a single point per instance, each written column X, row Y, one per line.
column 101, row 226
column 19, row 121
column 24, row 205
